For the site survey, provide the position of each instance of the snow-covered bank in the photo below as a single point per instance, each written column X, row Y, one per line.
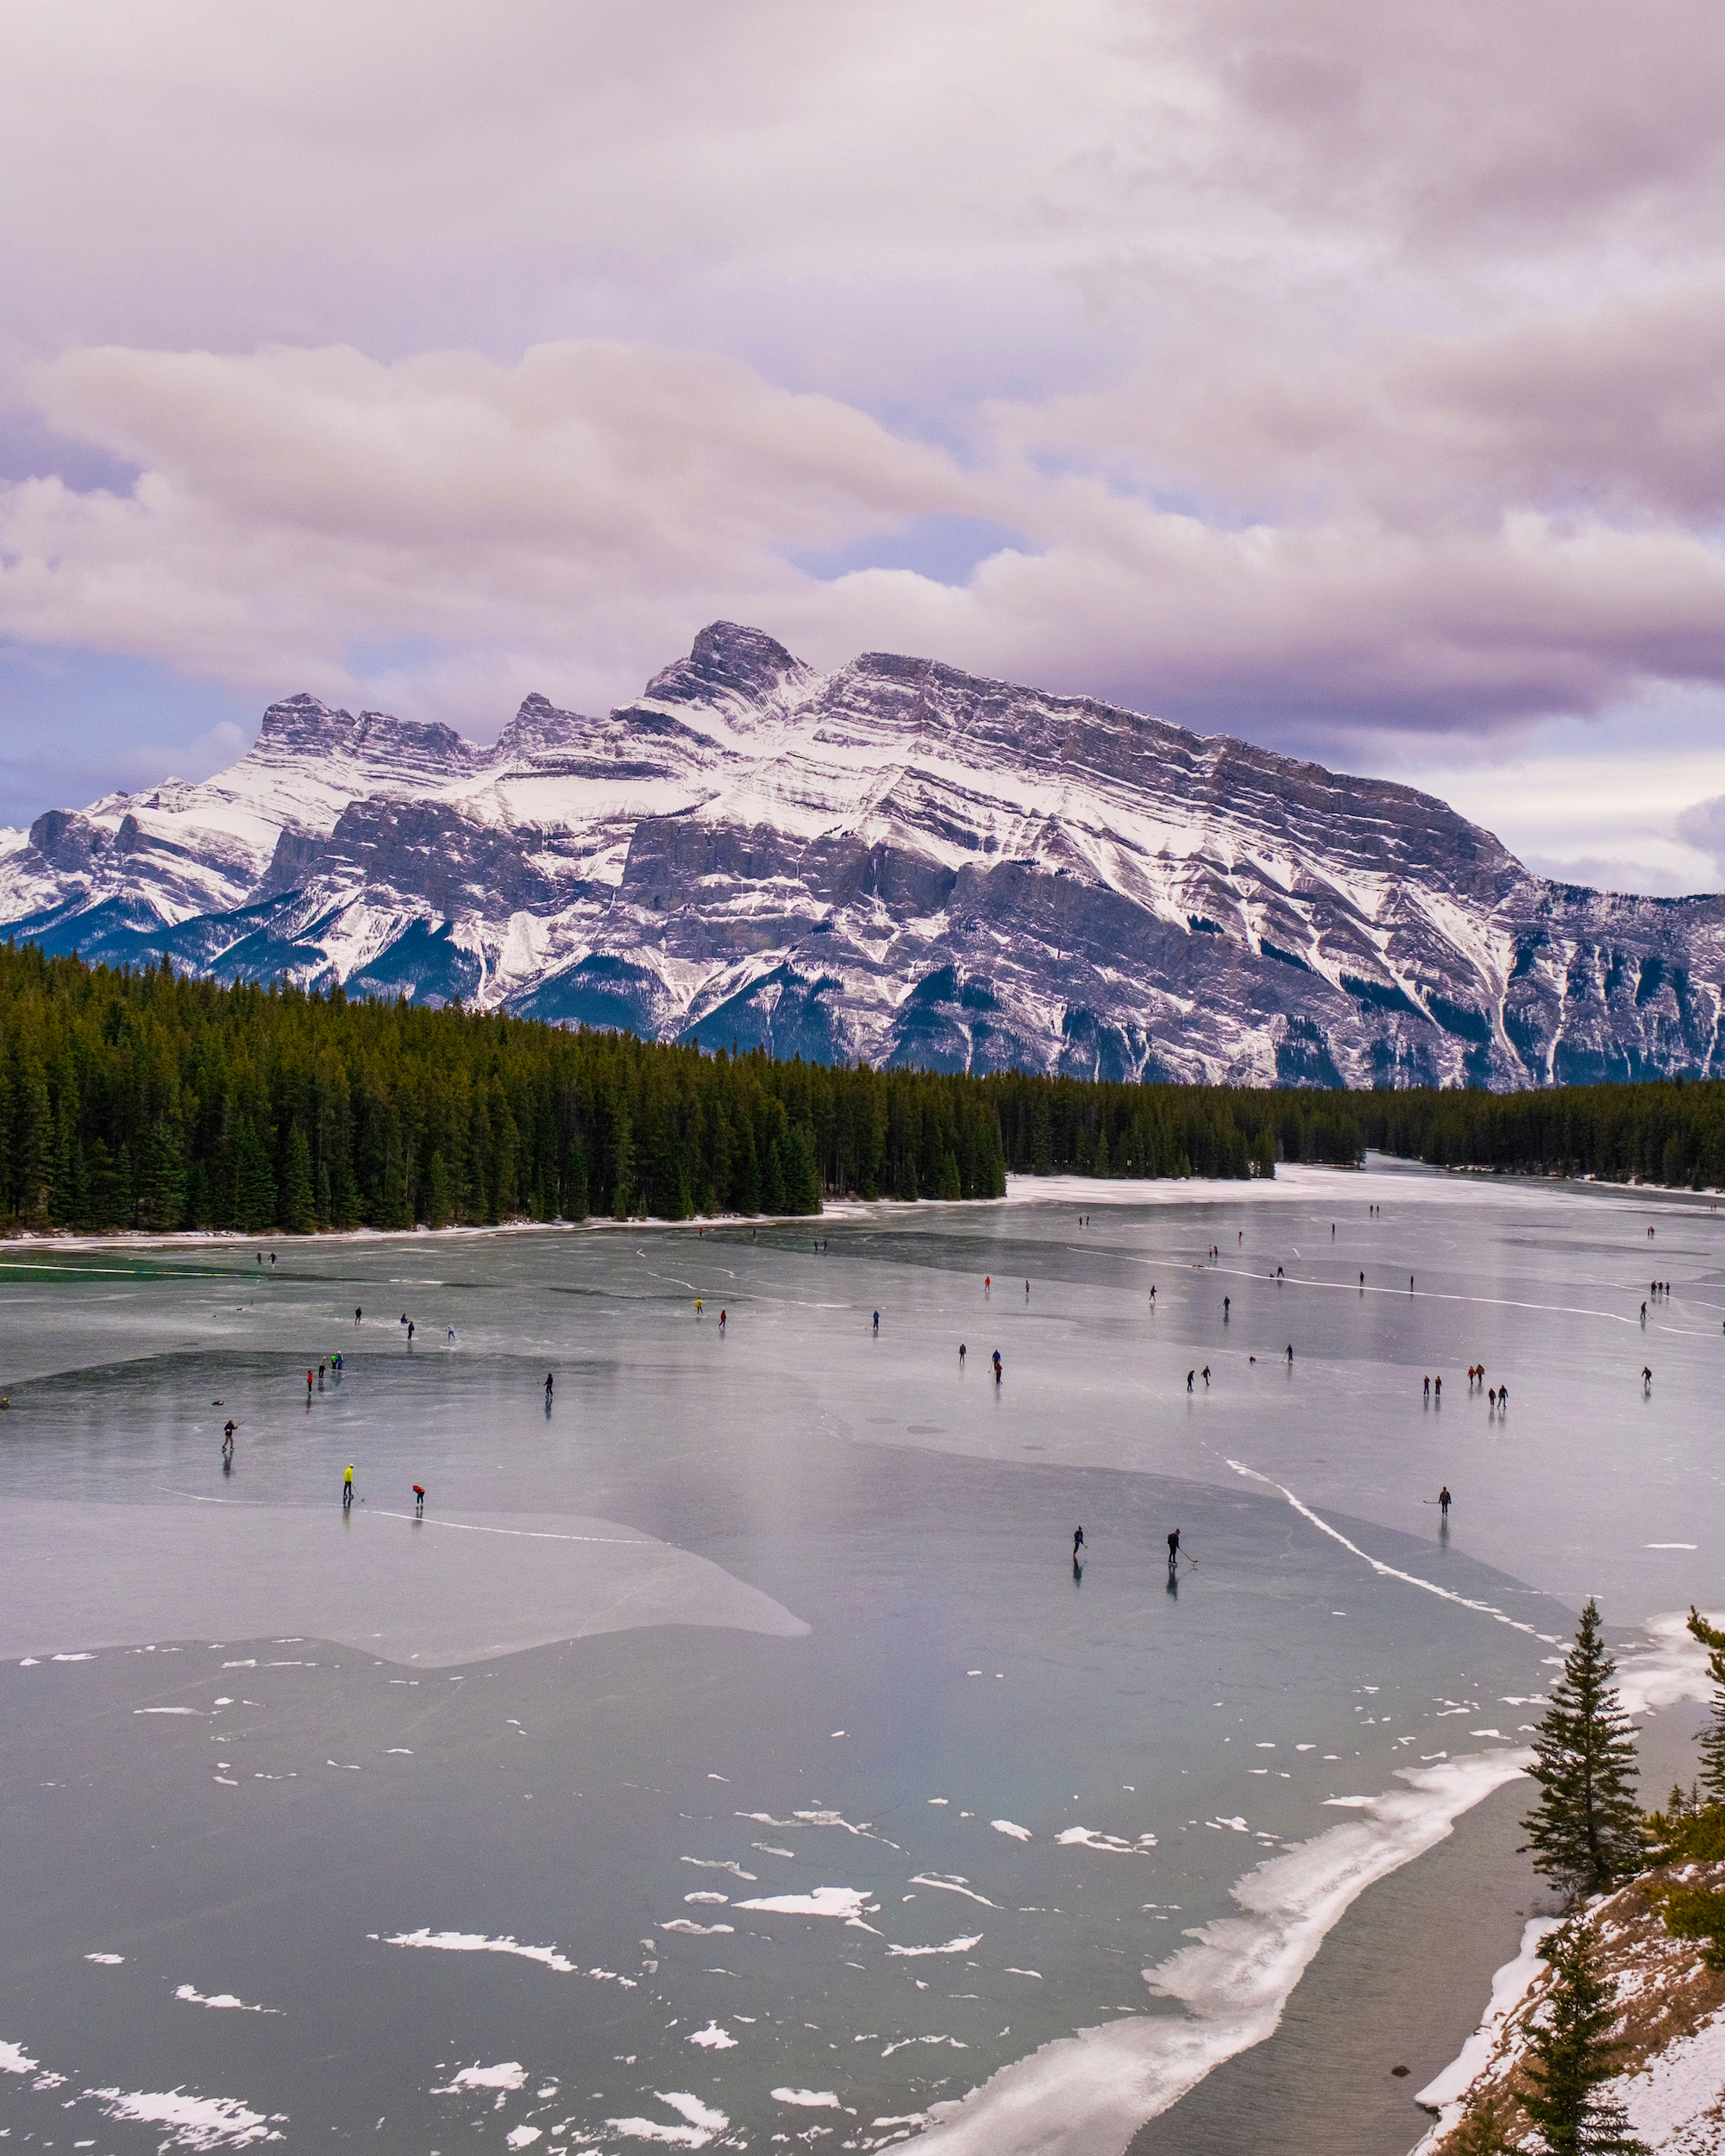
column 1670, row 2023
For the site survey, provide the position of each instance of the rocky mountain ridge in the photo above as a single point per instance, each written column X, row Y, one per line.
column 898, row 861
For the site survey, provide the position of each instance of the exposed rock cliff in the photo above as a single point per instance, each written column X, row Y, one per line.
column 895, row 859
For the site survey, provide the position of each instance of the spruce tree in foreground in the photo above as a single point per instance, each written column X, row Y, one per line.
column 1712, row 1775
column 1481, row 2135
column 1585, row 1830
column 1570, row 2054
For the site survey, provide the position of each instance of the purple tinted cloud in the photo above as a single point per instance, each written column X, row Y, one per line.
column 1326, row 374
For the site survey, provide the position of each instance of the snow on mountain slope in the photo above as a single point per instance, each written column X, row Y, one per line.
column 895, row 859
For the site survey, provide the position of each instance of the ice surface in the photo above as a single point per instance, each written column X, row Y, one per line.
column 438, row 1592
column 616, row 1650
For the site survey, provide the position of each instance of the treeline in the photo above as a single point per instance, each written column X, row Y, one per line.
column 1670, row 1131
column 1075, row 1127
column 147, row 1099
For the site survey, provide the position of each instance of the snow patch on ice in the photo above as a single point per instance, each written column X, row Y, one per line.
column 225, row 1999
column 194, row 2122
column 477, row 1943
column 702, row 2122
column 510, row 2073
column 810, row 2099
column 713, row 2037
column 953, row 1884
column 952, row 1947
column 1084, row 1838
column 824, row 1901
column 1009, row 1827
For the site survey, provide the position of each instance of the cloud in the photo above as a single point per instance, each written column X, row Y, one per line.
column 318, row 516
column 1334, row 375
column 1703, row 827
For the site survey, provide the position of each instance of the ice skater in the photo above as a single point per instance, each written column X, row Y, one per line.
column 877, row 1325
column 1190, row 1374
column 308, row 1387
column 410, row 1332
column 961, row 1355
column 1204, row 1375
column 1077, row 1544
column 358, row 1314
column 419, row 1499
column 348, row 1486
column 1646, row 1378
column 228, row 1430
column 1290, row 1355
column 548, row 1388
column 1227, row 1304
column 721, row 1323
column 1443, row 1504
column 1174, row 1548
column 999, row 1366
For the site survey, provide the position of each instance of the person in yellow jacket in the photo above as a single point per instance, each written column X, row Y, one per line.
column 348, row 1485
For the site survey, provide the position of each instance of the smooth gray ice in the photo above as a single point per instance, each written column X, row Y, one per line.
column 734, row 1749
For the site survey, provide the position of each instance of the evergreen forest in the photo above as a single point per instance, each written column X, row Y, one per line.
column 141, row 1098
column 148, row 1099
column 1661, row 1131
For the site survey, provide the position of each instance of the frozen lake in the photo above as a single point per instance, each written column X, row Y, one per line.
column 733, row 1754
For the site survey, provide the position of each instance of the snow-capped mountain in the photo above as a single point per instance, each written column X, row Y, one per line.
column 895, row 861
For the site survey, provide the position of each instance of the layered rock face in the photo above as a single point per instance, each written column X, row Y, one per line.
column 895, row 860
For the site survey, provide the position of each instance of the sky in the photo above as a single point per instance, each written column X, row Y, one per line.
column 1350, row 378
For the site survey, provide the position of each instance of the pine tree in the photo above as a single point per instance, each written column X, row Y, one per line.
column 1585, row 1830
column 1712, row 1777
column 1570, row 2054
column 161, row 1185
column 436, row 1192
column 1480, row 2134
column 801, row 1177
column 299, row 1209
column 254, row 1181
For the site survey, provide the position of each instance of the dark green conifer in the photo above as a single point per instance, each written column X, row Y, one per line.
column 161, row 1181
column 254, row 1181
column 1570, row 2054
column 298, row 1207
column 1585, row 1830
column 436, row 1192
column 1480, row 2134
column 1712, row 1742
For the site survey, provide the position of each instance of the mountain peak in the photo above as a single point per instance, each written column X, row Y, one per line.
column 743, row 670
column 897, row 859
column 302, row 724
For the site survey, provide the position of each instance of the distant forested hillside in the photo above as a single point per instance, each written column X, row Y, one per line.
column 145, row 1099
column 1669, row 1131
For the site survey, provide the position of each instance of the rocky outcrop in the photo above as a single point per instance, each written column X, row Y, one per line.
column 898, row 861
